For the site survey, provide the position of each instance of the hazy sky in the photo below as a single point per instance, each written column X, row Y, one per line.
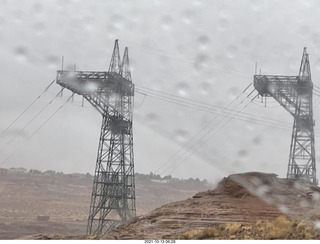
column 202, row 51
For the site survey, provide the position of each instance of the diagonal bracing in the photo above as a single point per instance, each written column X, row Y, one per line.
column 294, row 93
column 111, row 93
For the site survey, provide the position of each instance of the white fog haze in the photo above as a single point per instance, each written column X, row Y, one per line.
column 191, row 62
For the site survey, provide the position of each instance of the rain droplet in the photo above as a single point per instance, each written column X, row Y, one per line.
column 39, row 28
column 203, row 42
column 205, row 88
column 88, row 23
column 234, row 91
column 237, row 164
column 37, row 8
column 255, row 6
column 257, row 140
column 316, row 196
column 21, row 53
column 224, row 20
column 153, row 118
column 181, row 135
column 117, row 22
column 242, row 153
column 187, row 16
column 201, row 62
column 53, row 62
column 304, row 203
column 182, row 89
column 283, row 208
column 1, row 20
column 231, row 51
column 166, row 23
column 317, row 64
column 317, row 224
column 245, row 43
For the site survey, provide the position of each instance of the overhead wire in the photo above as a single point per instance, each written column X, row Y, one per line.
column 202, row 106
column 24, row 111
column 207, row 132
column 31, row 120
column 41, row 126
column 215, row 109
column 200, row 131
column 234, row 115
column 197, row 148
column 201, row 141
column 191, row 102
column 46, row 121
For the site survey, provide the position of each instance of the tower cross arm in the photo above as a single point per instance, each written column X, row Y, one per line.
column 95, row 86
column 284, row 89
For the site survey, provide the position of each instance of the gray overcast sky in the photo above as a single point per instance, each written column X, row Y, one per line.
column 200, row 50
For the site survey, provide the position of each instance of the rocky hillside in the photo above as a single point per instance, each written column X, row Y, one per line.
column 247, row 204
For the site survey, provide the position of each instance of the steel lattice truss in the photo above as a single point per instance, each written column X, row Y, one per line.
column 294, row 93
column 111, row 93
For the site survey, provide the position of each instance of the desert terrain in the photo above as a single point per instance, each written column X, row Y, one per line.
column 250, row 205
column 243, row 206
column 50, row 203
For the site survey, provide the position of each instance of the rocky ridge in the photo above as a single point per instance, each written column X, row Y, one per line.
column 240, row 198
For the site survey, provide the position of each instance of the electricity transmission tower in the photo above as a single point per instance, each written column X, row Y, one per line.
column 111, row 93
column 294, row 93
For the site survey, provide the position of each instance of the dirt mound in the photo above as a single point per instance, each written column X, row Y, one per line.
column 240, row 198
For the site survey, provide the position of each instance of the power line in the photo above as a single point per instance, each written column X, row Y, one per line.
column 36, row 131
column 200, row 143
column 244, row 116
column 207, row 131
column 30, row 121
column 4, row 131
column 199, row 132
column 192, row 103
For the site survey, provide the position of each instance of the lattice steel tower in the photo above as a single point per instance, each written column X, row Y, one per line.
column 294, row 93
column 111, row 93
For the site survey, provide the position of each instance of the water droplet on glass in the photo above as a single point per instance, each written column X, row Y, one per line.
column 21, row 53
column 53, row 62
column 317, row 224
column 223, row 21
column 88, row 23
column 117, row 22
column 232, row 51
column 182, row 89
column 317, row 64
column 283, row 208
column 37, row 8
column 181, row 135
column 304, row 203
column 39, row 28
column 233, row 92
column 255, row 6
column 257, row 140
column 205, row 88
column 237, row 164
column 201, row 62
column 166, row 23
column 2, row 20
column 187, row 16
column 152, row 118
column 316, row 196
column 242, row 153
column 203, row 42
